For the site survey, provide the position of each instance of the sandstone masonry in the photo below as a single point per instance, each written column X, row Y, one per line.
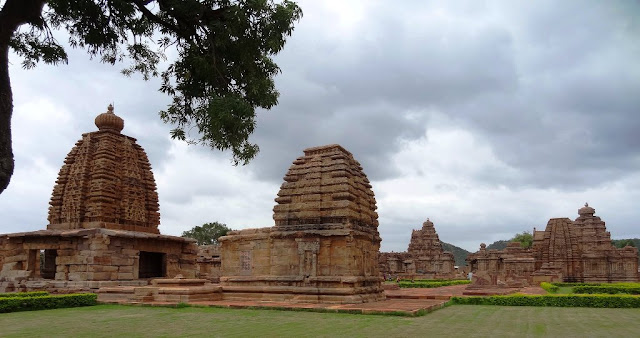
column 325, row 242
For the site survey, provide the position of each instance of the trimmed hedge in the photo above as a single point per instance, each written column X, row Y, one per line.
column 628, row 284
column 549, row 287
column 24, row 294
column 607, row 289
column 12, row 304
column 595, row 301
column 430, row 283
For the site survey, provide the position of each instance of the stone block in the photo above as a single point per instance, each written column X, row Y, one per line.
column 16, row 258
column 125, row 268
column 77, row 276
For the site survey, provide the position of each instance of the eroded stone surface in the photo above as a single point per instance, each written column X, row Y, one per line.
column 208, row 262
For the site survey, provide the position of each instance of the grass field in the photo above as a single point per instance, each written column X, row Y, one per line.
column 453, row 321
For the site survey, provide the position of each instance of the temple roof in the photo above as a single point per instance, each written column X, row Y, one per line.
column 105, row 182
column 586, row 210
column 326, row 186
column 109, row 121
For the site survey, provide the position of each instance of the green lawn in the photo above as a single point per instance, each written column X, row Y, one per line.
column 457, row 320
column 565, row 290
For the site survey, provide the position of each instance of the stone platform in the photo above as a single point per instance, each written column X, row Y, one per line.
column 162, row 292
column 412, row 307
column 442, row 293
column 409, row 302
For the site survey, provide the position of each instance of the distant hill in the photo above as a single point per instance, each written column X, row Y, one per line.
column 459, row 254
column 498, row 245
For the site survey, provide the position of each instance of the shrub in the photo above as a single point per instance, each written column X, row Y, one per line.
column 549, row 287
column 596, row 301
column 23, row 294
column 11, row 304
column 607, row 289
column 430, row 283
column 562, row 284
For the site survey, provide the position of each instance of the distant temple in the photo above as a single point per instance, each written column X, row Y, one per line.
column 424, row 258
column 570, row 251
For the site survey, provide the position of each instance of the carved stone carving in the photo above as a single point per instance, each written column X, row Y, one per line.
column 105, row 182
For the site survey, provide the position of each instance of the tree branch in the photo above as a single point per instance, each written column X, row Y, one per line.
column 154, row 18
column 17, row 12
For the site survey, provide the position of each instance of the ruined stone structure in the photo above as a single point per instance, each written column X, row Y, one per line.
column 572, row 251
column 325, row 242
column 511, row 267
column 208, row 263
column 103, row 222
column 424, row 259
column 582, row 251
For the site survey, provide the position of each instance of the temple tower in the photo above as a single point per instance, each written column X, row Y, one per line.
column 105, row 182
column 325, row 242
column 103, row 223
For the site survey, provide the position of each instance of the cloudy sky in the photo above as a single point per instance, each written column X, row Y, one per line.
column 488, row 117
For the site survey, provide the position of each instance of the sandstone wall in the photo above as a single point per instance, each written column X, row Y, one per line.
column 94, row 255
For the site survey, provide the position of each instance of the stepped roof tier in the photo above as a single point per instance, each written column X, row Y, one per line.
column 326, row 188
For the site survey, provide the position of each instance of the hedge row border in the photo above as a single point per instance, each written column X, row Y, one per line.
column 568, row 300
column 13, row 304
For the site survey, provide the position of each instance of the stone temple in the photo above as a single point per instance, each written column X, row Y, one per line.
column 570, row 251
column 325, row 242
column 103, row 223
column 424, row 258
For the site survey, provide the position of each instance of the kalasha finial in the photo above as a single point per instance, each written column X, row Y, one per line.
column 109, row 120
column 586, row 210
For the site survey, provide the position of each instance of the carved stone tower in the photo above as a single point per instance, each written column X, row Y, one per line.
column 105, row 182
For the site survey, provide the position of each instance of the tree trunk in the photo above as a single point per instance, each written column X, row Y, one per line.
column 13, row 14
column 6, row 109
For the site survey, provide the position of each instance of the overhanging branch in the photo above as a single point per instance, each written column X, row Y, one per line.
column 154, row 18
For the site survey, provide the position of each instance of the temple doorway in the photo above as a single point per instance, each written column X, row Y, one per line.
column 152, row 264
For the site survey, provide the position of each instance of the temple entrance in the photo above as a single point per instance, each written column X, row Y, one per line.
column 152, row 264
column 48, row 263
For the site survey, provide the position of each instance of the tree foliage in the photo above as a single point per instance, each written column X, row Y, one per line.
column 208, row 233
column 621, row 243
column 525, row 239
column 223, row 70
